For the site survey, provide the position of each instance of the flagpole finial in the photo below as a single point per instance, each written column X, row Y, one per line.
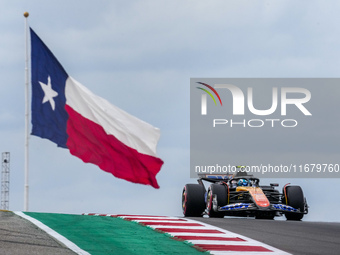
column 26, row 14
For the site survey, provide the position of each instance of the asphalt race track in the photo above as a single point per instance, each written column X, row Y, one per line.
column 296, row 237
column 18, row 236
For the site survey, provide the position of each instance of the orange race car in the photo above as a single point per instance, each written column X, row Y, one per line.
column 242, row 195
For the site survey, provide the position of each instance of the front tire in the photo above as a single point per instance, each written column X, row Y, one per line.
column 193, row 203
column 294, row 197
column 221, row 192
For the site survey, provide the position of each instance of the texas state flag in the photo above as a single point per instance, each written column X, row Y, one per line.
column 68, row 114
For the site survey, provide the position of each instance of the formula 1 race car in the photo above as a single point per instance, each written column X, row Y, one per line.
column 242, row 195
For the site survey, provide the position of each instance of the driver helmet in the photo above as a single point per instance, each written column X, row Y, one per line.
column 242, row 182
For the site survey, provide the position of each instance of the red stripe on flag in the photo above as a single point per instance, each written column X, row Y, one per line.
column 210, row 238
column 89, row 142
column 172, row 224
column 221, row 247
column 186, row 230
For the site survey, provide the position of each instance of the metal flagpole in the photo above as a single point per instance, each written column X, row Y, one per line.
column 26, row 14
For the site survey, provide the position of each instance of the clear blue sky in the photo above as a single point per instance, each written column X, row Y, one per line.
column 140, row 55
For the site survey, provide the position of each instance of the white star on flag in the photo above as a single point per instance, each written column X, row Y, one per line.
column 49, row 92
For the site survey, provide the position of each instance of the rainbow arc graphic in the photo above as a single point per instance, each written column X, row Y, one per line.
column 209, row 93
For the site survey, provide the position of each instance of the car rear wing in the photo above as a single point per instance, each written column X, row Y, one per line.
column 215, row 177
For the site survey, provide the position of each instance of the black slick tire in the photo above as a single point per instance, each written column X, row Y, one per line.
column 221, row 192
column 294, row 197
column 193, row 203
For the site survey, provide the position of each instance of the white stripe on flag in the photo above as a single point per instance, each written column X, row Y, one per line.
column 131, row 131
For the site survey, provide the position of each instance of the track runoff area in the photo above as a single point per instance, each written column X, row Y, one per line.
column 141, row 234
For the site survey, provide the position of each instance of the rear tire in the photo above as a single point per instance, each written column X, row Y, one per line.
column 193, row 203
column 221, row 191
column 295, row 198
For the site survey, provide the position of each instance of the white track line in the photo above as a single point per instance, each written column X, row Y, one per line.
column 54, row 234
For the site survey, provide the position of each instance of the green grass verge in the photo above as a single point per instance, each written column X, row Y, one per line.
column 108, row 235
